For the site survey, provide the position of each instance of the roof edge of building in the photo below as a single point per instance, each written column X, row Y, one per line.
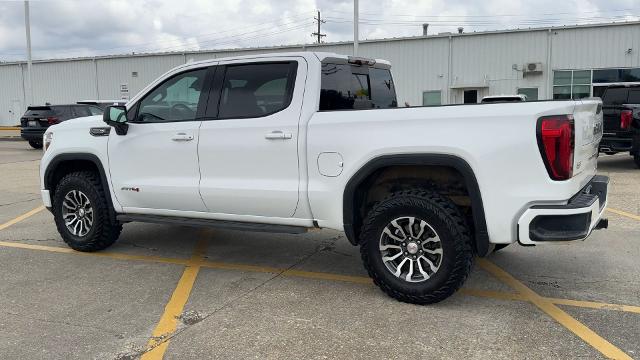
column 305, row 46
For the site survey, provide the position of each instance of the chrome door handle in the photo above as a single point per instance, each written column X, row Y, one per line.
column 278, row 135
column 182, row 137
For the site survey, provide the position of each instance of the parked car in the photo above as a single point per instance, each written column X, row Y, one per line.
column 294, row 141
column 103, row 103
column 37, row 119
column 503, row 98
column 621, row 107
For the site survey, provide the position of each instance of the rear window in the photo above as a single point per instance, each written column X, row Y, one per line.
column 634, row 96
column 347, row 87
column 615, row 96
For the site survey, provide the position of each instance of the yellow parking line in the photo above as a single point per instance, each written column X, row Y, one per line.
column 21, row 217
column 595, row 305
column 169, row 321
column 10, row 128
column 573, row 325
column 310, row 275
column 624, row 213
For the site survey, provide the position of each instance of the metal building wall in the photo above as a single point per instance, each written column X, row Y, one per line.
column 11, row 94
column 597, row 47
column 446, row 63
column 117, row 71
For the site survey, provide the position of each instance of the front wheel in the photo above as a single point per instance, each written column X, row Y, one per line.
column 81, row 212
column 35, row 144
column 416, row 246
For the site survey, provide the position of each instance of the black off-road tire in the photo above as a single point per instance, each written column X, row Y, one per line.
column 103, row 232
column 447, row 221
column 35, row 144
column 636, row 159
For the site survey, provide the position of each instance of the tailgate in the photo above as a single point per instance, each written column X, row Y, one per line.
column 611, row 116
column 588, row 123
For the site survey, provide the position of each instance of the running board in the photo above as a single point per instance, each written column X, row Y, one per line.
column 233, row 225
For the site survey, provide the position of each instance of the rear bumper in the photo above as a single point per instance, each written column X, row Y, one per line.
column 616, row 144
column 573, row 221
column 32, row 134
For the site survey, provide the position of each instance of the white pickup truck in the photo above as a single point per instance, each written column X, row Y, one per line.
column 292, row 141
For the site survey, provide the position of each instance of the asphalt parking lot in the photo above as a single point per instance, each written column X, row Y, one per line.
column 188, row 293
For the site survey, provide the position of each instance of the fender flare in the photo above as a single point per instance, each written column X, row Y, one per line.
column 481, row 237
column 61, row 158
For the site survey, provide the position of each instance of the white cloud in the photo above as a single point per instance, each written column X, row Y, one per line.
column 70, row 28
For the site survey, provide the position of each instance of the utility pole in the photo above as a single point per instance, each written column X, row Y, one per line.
column 28, row 28
column 355, row 27
column 318, row 33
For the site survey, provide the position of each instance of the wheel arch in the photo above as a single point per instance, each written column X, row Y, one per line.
column 351, row 220
column 63, row 164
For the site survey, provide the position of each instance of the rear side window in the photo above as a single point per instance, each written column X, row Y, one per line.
column 615, row 96
column 346, row 87
column 38, row 111
column 256, row 90
column 81, row 111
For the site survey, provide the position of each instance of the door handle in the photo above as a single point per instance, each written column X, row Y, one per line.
column 278, row 135
column 182, row 137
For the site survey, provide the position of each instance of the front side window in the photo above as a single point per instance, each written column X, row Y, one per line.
column 256, row 90
column 176, row 99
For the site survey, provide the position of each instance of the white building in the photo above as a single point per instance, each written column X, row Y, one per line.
column 448, row 68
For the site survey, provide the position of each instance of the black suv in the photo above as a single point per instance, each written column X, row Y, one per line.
column 37, row 119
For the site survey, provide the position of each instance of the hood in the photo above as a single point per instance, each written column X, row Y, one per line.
column 80, row 123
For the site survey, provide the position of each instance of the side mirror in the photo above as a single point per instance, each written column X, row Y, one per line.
column 116, row 116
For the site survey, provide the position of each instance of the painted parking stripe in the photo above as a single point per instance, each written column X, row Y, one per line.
column 168, row 323
column 21, row 217
column 624, row 213
column 309, row 275
column 579, row 329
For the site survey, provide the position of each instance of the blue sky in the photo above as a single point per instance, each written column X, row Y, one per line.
column 69, row 28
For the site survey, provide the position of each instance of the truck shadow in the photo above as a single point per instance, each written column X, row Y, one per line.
column 616, row 162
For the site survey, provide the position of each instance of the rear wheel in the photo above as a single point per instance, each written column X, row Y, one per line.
column 81, row 212
column 35, row 144
column 416, row 246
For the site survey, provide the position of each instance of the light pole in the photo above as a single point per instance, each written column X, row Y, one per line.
column 29, row 73
column 355, row 28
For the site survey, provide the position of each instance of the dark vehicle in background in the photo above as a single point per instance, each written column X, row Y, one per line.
column 37, row 119
column 103, row 104
column 503, row 99
column 621, row 125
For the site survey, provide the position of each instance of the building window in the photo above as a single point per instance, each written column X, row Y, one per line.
column 571, row 84
column 616, row 75
column 432, row 98
column 530, row 93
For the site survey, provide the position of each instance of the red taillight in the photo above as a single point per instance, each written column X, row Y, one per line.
column 626, row 116
column 52, row 120
column 556, row 142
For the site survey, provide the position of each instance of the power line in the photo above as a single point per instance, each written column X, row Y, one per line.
column 318, row 33
column 492, row 15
